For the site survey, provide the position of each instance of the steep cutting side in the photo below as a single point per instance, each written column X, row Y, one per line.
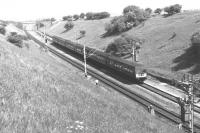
column 167, row 46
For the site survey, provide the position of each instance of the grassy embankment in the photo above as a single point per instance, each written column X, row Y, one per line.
column 166, row 49
column 39, row 93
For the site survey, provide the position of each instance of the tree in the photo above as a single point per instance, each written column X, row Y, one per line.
column 158, row 10
column 148, row 10
column 123, row 45
column 140, row 14
column 76, row 17
column 69, row 25
column 82, row 15
column 117, row 24
column 82, row 32
column 195, row 38
column 89, row 16
column 2, row 30
column 173, row 9
column 131, row 8
column 130, row 17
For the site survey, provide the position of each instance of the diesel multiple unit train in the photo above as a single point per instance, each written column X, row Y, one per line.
column 132, row 70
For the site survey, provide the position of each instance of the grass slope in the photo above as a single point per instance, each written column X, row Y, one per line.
column 41, row 94
column 167, row 40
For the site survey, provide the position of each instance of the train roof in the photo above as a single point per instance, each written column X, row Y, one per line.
column 124, row 61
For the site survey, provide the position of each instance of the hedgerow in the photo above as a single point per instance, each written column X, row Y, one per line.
column 67, row 18
column 95, row 16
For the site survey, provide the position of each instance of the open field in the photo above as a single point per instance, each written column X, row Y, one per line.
column 167, row 47
column 39, row 93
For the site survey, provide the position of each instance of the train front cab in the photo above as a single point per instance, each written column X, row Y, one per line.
column 141, row 76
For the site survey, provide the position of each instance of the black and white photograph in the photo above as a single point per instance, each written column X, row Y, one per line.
column 100, row 66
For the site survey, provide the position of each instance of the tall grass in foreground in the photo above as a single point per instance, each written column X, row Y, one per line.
column 33, row 100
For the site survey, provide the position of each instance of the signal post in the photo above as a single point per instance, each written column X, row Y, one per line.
column 187, row 105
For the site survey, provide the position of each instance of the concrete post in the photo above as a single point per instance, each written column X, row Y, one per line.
column 85, row 64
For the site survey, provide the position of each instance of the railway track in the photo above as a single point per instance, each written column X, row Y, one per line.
column 174, row 117
column 167, row 95
column 151, row 88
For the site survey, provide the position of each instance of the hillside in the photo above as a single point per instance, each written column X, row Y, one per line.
column 41, row 93
column 167, row 40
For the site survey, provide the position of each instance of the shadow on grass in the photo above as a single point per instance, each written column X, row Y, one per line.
column 65, row 31
column 107, row 34
column 191, row 58
column 166, row 15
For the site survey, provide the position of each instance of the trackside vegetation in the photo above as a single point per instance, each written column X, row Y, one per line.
column 40, row 93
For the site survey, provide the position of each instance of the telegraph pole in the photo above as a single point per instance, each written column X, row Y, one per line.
column 85, row 63
column 133, row 53
column 45, row 39
column 191, row 108
column 189, row 103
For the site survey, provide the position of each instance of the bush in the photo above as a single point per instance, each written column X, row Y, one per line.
column 16, row 39
column 82, row 32
column 173, row 9
column 195, row 38
column 148, row 10
column 117, row 24
column 140, row 14
column 69, row 25
column 123, row 45
column 131, row 8
column 158, row 11
column 132, row 16
column 76, row 17
column 2, row 30
column 82, row 15
column 23, row 37
column 96, row 16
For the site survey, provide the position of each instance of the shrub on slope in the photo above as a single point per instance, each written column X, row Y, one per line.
column 2, row 30
column 124, row 45
column 173, row 9
column 132, row 16
column 69, row 25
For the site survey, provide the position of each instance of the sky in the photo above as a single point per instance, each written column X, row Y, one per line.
column 24, row 10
